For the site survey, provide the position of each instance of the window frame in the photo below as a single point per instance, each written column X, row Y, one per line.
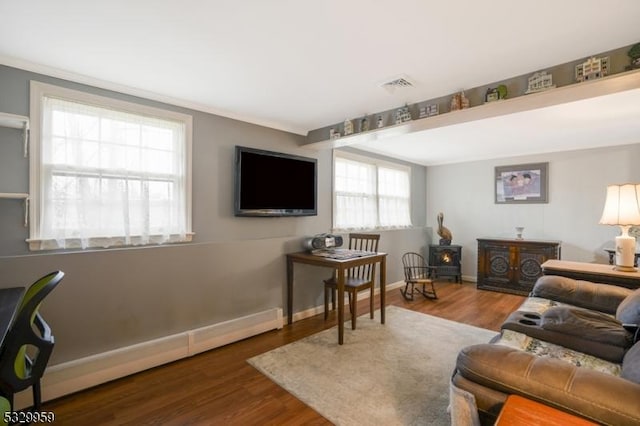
column 376, row 162
column 38, row 90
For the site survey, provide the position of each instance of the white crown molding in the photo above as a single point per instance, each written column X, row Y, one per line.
column 128, row 90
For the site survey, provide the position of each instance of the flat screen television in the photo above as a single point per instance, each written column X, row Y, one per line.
column 271, row 183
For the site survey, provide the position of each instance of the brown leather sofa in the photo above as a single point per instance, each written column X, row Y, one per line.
column 575, row 379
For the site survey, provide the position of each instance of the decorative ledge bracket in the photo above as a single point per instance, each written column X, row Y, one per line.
column 19, row 196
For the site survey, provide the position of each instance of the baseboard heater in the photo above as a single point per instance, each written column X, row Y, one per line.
column 83, row 373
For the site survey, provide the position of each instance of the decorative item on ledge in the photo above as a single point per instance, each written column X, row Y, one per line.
column 634, row 56
column 496, row 93
column 428, row 110
column 379, row 122
column 592, row 69
column 348, row 127
column 459, row 101
column 443, row 231
column 403, row 114
column 333, row 134
column 539, row 82
column 519, row 230
column 364, row 124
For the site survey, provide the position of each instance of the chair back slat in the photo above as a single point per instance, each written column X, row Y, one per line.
column 365, row 242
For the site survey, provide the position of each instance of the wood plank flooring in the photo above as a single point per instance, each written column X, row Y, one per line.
column 220, row 387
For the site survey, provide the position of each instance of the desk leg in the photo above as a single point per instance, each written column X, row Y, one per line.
column 383, row 287
column 289, row 290
column 340, row 306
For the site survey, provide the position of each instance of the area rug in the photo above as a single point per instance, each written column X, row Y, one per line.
column 392, row 374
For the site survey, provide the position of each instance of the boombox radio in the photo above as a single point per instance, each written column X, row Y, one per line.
column 322, row 241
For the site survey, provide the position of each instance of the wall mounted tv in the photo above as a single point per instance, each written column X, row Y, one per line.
column 274, row 184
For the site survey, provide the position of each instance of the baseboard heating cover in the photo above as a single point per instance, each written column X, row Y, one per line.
column 76, row 375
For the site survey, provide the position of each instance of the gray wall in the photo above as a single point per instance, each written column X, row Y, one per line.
column 235, row 266
column 577, row 186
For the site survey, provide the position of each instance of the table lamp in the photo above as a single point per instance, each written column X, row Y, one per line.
column 622, row 207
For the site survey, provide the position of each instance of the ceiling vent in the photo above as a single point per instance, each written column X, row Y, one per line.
column 399, row 82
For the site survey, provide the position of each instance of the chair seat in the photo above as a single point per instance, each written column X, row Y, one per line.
column 421, row 280
column 351, row 282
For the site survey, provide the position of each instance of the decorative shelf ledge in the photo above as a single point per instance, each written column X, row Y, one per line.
column 14, row 195
column 17, row 122
column 616, row 83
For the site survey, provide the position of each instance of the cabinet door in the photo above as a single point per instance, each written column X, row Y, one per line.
column 497, row 270
column 529, row 264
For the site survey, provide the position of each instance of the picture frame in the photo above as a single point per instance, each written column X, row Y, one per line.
column 522, row 184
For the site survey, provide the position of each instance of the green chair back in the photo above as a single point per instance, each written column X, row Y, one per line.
column 5, row 407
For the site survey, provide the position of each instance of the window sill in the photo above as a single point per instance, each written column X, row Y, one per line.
column 107, row 242
column 378, row 228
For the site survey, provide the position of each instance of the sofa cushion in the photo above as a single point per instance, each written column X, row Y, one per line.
column 589, row 332
column 520, row 341
column 584, row 294
column 631, row 364
column 628, row 311
column 591, row 326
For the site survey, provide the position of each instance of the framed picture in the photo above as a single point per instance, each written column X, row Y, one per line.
column 522, row 183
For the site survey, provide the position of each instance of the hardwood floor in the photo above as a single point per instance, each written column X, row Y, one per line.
column 220, row 387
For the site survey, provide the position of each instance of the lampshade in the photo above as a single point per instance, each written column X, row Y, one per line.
column 622, row 206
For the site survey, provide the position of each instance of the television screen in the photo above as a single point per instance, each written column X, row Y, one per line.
column 274, row 184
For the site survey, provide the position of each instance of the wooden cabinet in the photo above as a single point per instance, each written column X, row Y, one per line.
column 513, row 266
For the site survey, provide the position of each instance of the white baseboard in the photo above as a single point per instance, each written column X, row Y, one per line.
column 76, row 375
column 73, row 376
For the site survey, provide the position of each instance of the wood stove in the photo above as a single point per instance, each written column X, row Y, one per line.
column 447, row 261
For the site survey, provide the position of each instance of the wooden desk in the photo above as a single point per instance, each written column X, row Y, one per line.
column 518, row 411
column 10, row 299
column 340, row 265
column 595, row 272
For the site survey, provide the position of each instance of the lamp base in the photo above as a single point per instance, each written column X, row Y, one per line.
column 625, row 268
column 625, row 251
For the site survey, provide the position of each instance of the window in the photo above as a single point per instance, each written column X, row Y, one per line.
column 368, row 193
column 106, row 172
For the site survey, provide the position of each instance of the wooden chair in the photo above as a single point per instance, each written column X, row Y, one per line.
column 357, row 279
column 416, row 273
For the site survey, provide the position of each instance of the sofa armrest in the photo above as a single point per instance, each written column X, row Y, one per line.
column 587, row 393
column 584, row 294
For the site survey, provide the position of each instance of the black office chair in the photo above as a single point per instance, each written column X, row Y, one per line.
column 357, row 279
column 28, row 344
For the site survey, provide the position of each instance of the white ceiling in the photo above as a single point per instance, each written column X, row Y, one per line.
column 302, row 65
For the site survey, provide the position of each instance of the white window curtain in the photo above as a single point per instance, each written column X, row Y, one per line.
column 370, row 195
column 394, row 197
column 355, row 195
column 109, row 177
